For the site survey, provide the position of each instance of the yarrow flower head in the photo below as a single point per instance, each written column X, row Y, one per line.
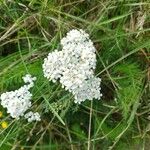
column 19, row 101
column 74, row 66
column 32, row 116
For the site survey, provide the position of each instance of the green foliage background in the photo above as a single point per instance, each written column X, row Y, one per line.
column 30, row 29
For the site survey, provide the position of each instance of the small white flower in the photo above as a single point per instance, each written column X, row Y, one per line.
column 28, row 78
column 32, row 116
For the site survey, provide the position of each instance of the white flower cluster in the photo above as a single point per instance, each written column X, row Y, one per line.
column 19, row 101
column 90, row 89
column 74, row 66
column 32, row 116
